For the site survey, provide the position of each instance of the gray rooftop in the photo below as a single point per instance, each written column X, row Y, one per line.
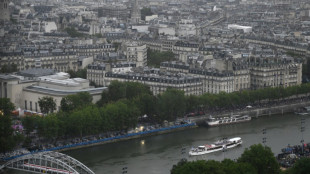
column 59, row 92
column 36, row 72
column 7, row 77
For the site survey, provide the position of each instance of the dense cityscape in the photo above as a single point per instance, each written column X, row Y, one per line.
column 79, row 73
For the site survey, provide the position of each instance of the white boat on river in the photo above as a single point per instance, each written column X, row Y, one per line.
column 211, row 121
column 217, row 146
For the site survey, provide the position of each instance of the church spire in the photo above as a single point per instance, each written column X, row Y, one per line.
column 135, row 13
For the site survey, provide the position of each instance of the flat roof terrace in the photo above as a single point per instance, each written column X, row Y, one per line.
column 58, row 92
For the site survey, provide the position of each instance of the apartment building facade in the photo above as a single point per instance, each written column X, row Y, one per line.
column 159, row 83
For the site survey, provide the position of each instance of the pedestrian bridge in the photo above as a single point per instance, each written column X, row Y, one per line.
column 48, row 162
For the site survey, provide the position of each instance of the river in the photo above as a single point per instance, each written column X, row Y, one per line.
column 157, row 154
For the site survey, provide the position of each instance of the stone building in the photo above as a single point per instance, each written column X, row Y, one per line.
column 274, row 72
column 237, row 75
column 135, row 53
column 159, row 83
column 242, row 77
column 59, row 60
column 214, row 81
column 168, row 45
column 4, row 10
column 25, row 89
column 173, row 66
column 109, row 57
column 92, row 50
column 96, row 71
column 120, row 12
column 135, row 13
column 184, row 48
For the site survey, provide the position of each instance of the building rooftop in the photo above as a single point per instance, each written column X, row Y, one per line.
column 36, row 72
column 8, row 77
column 172, row 79
column 45, row 90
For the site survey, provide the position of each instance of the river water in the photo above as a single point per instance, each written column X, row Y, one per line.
column 157, row 154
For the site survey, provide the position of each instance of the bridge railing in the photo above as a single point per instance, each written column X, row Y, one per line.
column 48, row 161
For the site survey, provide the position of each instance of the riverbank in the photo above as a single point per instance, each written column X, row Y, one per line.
column 278, row 108
column 164, row 151
column 113, row 139
column 135, row 135
column 253, row 112
column 275, row 110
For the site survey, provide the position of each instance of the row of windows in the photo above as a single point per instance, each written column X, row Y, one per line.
column 4, row 85
column 30, row 106
column 5, row 5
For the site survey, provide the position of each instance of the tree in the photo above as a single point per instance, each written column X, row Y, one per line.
column 120, row 115
column 302, row 166
column 282, row 93
column 30, row 123
column 206, row 100
column 271, row 93
column 47, row 104
column 8, row 68
column 198, row 167
column 85, row 121
column 145, row 12
column 104, row 99
column 234, row 98
column 154, row 58
column 49, row 127
column 227, row 166
column 116, row 46
column 261, row 158
column 245, row 97
column 303, row 89
column 291, row 90
column 106, row 119
column 146, row 104
column 231, row 167
column 116, row 91
column 224, row 100
column 98, row 35
column 171, row 104
column 131, row 113
column 7, row 140
column 134, row 89
column 64, row 124
column 121, row 90
column 81, row 73
column 93, row 124
column 73, row 33
column 77, row 121
column 6, row 106
column 306, row 71
column 75, row 101
column 192, row 103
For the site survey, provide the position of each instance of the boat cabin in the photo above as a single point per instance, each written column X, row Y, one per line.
column 202, row 147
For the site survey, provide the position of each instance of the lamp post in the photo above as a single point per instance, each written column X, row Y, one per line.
column 183, row 151
column 302, row 129
column 224, row 147
column 264, row 138
column 124, row 170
